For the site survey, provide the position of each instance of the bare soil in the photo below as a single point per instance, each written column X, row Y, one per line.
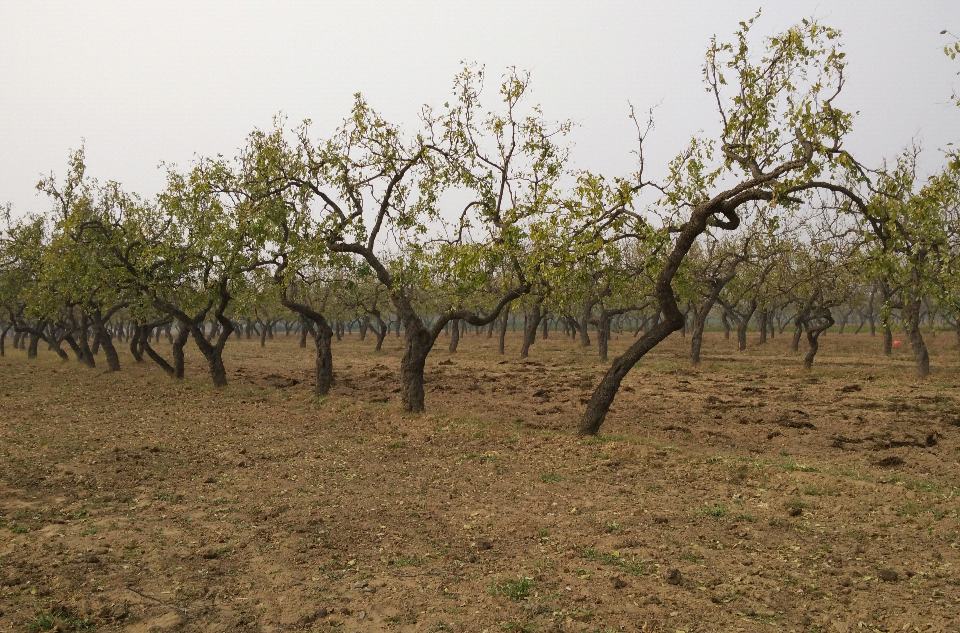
column 745, row 495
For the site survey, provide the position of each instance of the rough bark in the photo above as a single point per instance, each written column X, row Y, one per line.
column 815, row 326
column 179, row 342
column 504, row 322
column 454, row 336
column 3, row 337
column 109, row 351
column 921, row 357
column 135, row 344
column 530, row 330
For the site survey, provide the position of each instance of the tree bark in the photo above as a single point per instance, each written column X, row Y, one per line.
column 921, row 357
column 454, row 336
column 504, row 322
column 179, row 342
column 813, row 335
column 530, row 331
column 135, row 344
column 3, row 337
column 113, row 359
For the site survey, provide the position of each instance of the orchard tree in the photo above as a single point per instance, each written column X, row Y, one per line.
column 381, row 195
column 780, row 135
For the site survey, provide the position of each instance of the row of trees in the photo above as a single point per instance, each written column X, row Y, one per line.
column 480, row 213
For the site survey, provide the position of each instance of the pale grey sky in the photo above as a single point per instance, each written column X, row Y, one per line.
column 144, row 82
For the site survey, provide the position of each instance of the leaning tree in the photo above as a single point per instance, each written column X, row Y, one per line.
column 780, row 136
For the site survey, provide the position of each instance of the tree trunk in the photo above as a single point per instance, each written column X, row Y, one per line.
column 887, row 334
column 32, row 348
column 921, row 357
column 603, row 335
column 364, row 326
column 135, row 343
column 762, row 325
column 303, row 335
column 696, row 341
column 323, row 338
column 83, row 343
column 183, row 335
column 380, row 333
column 504, row 322
column 530, row 331
column 419, row 341
column 545, row 328
column 606, row 391
column 154, row 356
column 742, row 334
column 584, row 324
column 3, row 337
column 454, row 327
column 113, row 359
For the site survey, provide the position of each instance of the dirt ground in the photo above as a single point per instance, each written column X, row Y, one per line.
column 745, row 495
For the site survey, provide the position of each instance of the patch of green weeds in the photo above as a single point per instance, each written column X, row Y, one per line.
column 746, row 517
column 612, row 527
column 550, row 478
column 631, row 566
column 797, row 467
column 714, row 511
column 20, row 529
column 403, row 561
column 693, row 558
column 516, row 590
column 58, row 620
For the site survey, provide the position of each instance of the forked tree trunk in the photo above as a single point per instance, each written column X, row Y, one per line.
column 135, row 343
column 813, row 334
column 113, row 359
column 154, row 356
column 530, row 330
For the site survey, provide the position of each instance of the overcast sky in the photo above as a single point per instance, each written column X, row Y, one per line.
column 144, row 82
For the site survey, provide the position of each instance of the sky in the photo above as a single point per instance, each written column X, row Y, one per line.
column 144, row 83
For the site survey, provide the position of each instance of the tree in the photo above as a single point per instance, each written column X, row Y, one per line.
column 376, row 188
column 780, row 136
